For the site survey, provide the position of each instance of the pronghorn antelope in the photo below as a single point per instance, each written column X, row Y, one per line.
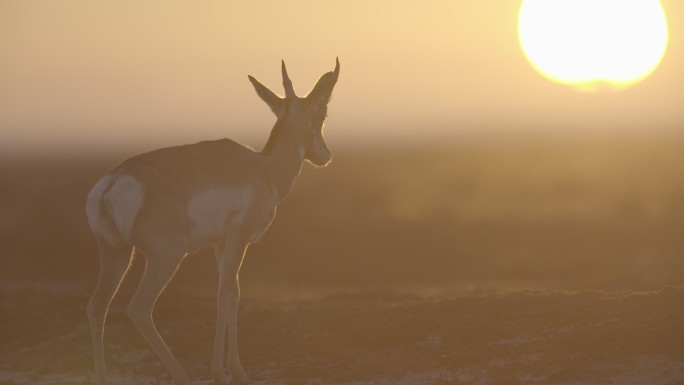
column 170, row 202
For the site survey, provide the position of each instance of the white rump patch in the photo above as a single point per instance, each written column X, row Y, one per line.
column 214, row 210
column 99, row 223
column 124, row 201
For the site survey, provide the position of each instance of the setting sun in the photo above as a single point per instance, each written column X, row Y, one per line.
column 592, row 43
column 412, row 192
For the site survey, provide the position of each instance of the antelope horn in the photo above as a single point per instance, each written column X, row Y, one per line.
column 336, row 73
column 287, row 83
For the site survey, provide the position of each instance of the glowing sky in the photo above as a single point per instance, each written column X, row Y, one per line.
column 86, row 73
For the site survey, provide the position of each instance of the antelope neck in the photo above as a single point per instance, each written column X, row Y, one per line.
column 283, row 158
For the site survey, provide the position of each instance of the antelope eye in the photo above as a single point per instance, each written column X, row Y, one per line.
column 318, row 114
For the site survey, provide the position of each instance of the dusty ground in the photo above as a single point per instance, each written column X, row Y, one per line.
column 379, row 337
column 481, row 216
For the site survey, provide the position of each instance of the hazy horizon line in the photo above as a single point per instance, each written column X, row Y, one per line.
column 372, row 138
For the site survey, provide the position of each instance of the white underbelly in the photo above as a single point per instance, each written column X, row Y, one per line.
column 214, row 212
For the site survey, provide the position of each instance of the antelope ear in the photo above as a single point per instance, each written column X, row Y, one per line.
column 323, row 89
column 275, row 102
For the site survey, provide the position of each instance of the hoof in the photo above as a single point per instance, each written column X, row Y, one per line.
column 239, row 376
column 220, row 379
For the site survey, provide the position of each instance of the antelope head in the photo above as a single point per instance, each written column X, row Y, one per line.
column 303, row 118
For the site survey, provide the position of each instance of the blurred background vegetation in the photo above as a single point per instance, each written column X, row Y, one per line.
column 506, row 210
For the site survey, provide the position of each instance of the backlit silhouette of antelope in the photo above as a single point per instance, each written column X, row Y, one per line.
column 170, row 202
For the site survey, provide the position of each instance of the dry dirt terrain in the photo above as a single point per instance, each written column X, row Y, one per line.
column 523, row 337
column 508, row 260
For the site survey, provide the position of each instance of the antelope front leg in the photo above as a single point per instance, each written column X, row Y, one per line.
column 229, row 260
column 233, row 358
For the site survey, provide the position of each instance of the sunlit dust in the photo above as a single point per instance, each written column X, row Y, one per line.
column 593, row 44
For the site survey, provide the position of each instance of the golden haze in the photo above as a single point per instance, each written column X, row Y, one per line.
column 88, row 74
column 541, row 188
